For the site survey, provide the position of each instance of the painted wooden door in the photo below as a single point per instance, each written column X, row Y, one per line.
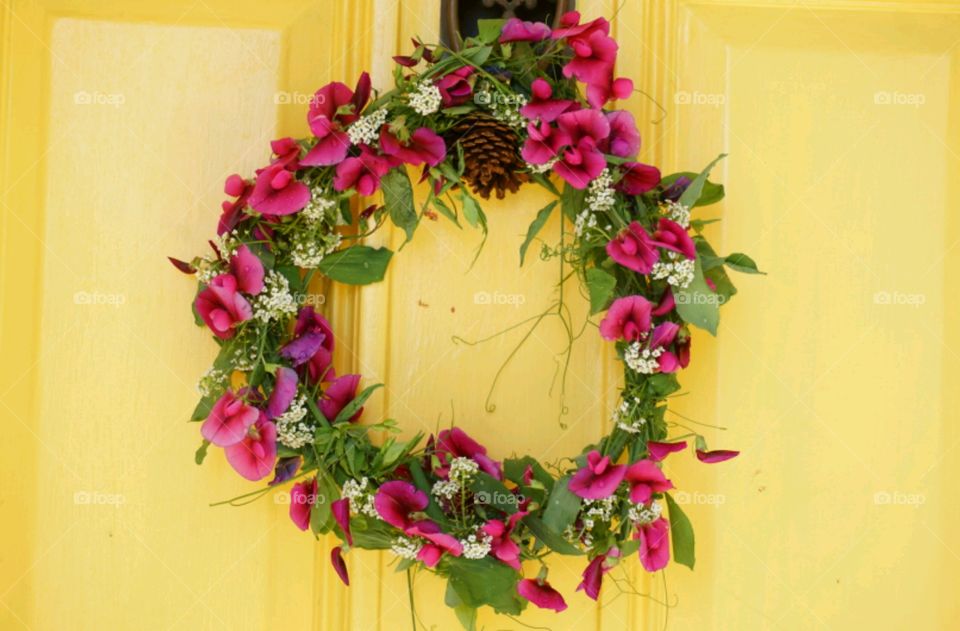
column 834, row 373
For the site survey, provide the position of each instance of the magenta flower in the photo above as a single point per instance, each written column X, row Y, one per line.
column 303, row 497
column 312, row 345
column 287, row 152
column 255, row 455
column 332, row 109
column 672, row 236
column 424, row 147
column 543, row 143
column 337, row 395
column 437, row 542
column 597, row 480
column 627, row 319
column 341, row 514
column 541, row 594
column 593, row 574
column 582, row 160
column 645, row 478
column 228, row 420
column 594, row 55
column 634, row 249
column 570, row 26
column 396, row 500
column 455, row 87
column 717, row 455
column 543, row 107
column 501, row 545
column 654, row 544
column 221, row 307
column 361, row 172
column 663, row 336
column 517, row 30
column 638, row 178
column 248, row 270
column 339, row 565
column 667, row 303
column 659, row 451
column 277, row 192
column 235, row 186
column 455, row 443
column 284, row 391
column 624, row 140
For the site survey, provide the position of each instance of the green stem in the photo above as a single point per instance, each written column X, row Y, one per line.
column 413, row 615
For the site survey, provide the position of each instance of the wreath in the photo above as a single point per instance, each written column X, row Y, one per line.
column 504, row 109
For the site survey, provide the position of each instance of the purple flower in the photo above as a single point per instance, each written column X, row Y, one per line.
column 599, row 479
column 284, row 391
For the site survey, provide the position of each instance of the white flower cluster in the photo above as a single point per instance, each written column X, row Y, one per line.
column 226, row 243
column 292, row 431
column 212, row 382
column 586, row 219
column 426, row 99
column 461, row 471
column 316, row 209
column 598, row 509
column 360, row 497
column 275, row 301
column 505, row 109
column 476, row 548
column 641, row 514
column 678, row 271
column 244, row 362
column 642, row 360
column 621, row 417
column 600, row 194
column 406, row 548
column 208, row 269
column 543, row 168
column 445, row 489
column 584, row 540
column 308, row 248
column 678, row 212
column 366, row 130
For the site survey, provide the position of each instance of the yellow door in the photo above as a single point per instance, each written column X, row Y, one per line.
column 834, row 374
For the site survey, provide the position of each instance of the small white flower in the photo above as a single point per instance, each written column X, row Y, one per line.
column 426, row 99
column 642, row 514
column 274, row 301
column 360, row 497
column 474, row 548
column 292, row 431
column 406, row 548
column 678, row 271
column 366, row 130
column 642, row 360
column 678, row 213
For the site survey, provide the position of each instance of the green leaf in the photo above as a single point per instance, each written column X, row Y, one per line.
column 698, row 304
column 475, row 217
column 354, row 406
column 446, row 211
column 562, row 507
column 513, row 469
column 600, row 284
column 486, row 581
column 691, row 196
column 477, row 55
column 398, row 198
column 420, row 481
column 551, row 538
column 535, row 228
column 724, row 286
column 488, row 491
column 201, row 452
column 321, row 517
column 699, row 224
column 459, row 110
column 202, row 411
column 663, row 384
column 372, row 534
column 742, row 263
column 466, row 614
column 681, row 533
column 357, row 265
column 711, row 193
column 572, row 201
column 489, row 30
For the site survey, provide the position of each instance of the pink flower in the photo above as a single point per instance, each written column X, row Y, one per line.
column 516, row 30
column 221, row 307
column 654, row 544
column 666, row 304
column 582, row 160
column 235, row 186
column 424, row 147
column 228, row 421
column 624, row 140
column 663, row 336
column 341, row 514
column 303, row 497
column 277, row 192
column 634, row 249
column 597, row 480
column 672, row 236
column 255, row 455
column 571, row 27
column 717, row 455
column 396, row 500
column 284, row 391
column 659, row 451
column 362, row 172
column 638, row 178
column 455, row 87
column 541, row 594
column 543, row 143
column 332, row 109
column 339, row 566
column 340, row 392
column 501, row 545
column 248, row 270
column 593, row 574
column 627, row 319
column 595, row 54
column 543, row 107
column 287, row 152
column 645, row 478
column 455, row 443
column 437, row 542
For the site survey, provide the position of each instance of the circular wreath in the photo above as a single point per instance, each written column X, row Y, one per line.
column 504, row 109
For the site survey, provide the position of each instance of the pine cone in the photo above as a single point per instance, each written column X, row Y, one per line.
column 490, row 154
